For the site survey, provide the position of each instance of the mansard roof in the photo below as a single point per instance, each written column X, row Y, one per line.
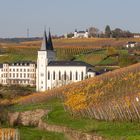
column 69, row 63
column 47, row 42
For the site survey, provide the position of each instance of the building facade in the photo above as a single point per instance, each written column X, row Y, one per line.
column 20, row 73
column 81, row 34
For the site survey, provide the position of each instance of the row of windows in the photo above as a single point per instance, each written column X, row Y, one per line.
column 18, row 82
column 66, row 76
column 18, row 75
column 21, row 70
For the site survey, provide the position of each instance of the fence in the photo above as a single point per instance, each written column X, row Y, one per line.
column 9, row 134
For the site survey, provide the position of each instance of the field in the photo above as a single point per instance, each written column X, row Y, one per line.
column 93, row 51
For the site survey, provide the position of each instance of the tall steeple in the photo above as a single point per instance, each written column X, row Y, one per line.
column 49, row 43
column 44, row 42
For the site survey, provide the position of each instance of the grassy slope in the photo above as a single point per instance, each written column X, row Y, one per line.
column 58, row 116
column 29, row 133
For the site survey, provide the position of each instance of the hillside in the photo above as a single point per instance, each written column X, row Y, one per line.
column 112, row 96
column 95, row 51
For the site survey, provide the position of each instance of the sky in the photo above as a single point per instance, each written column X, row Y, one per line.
column 64, row 16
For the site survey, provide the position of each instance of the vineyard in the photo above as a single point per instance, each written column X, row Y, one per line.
column 112, row 96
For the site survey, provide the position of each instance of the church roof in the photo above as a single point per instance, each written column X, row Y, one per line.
column 69, row 63
column 47, row 42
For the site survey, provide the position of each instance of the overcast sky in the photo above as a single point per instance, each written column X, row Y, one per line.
column 64, row 16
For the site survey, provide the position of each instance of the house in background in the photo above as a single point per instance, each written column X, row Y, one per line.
column 131, row 44
column 137, row 35
column 81, row 34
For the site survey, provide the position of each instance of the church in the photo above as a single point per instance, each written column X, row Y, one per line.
column 51, row 73
column 47, row 73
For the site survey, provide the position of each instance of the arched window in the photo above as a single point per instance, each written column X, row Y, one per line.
column 70, row 75
column 48, row 75
column 82, row 75
column 54, row 75
column 65, row 75
column 59, row 75
column 76, row 76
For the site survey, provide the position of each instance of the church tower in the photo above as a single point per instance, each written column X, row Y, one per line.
column 46, row 54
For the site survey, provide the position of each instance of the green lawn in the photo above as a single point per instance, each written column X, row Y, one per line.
column 112, row 130
column 29, row 133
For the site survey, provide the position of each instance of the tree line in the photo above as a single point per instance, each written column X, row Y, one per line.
column 109, row 33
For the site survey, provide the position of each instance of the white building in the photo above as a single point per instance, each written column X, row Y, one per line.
column 20, row 73
column 136, row 35
column 131, row 44
column 51, row 73
column 81, row 34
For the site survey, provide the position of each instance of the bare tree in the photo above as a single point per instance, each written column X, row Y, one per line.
column 94, row 32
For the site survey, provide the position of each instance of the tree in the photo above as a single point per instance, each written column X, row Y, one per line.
column 93, row 32
column 108, row 31
column 118, row 33
column 111, row 51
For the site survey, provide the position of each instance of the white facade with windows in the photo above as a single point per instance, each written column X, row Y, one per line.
column 20, row 73
column 81, row 34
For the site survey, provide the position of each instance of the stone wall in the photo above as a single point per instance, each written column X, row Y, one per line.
column 34, row 118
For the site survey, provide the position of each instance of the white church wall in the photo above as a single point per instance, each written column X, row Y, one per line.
column 55, row 82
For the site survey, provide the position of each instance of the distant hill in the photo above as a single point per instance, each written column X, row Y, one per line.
column 18, row 40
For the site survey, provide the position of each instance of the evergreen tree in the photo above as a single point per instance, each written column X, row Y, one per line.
column 108, row 31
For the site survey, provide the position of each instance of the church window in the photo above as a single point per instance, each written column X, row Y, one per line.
column 59, row 75
column 82, row 75
column 76, row 76
column 70, row 75
column 48, row 75
column 54, row 75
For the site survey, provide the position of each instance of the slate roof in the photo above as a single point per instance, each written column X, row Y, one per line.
column 22, row 63
column 69, row 63
column 47, row 42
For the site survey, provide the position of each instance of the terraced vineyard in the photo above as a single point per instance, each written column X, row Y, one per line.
column 112, row 96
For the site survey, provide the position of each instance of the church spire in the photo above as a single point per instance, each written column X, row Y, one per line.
column 49, row 43
column 44, row 42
